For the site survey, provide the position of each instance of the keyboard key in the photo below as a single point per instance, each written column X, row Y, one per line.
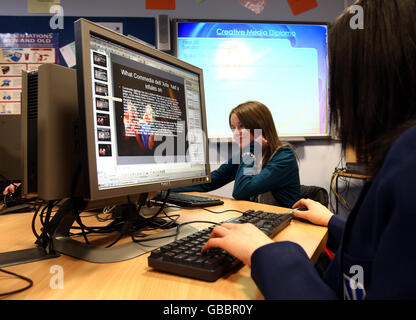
column 180, row 257
column 211, row 263
column 168, row 256
column 198, row 262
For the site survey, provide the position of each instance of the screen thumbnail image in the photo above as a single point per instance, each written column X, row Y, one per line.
column 104, row 134
column 100, row 74
column 101, row 89
column 100, row 59
column 102, row 104
column 104, row 150
column 103, row 119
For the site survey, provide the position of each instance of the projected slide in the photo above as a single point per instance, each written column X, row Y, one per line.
column 282, row 66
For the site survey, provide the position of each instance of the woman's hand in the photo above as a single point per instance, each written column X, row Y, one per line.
column 11, row 188
column 239, row 240
column 315, row 213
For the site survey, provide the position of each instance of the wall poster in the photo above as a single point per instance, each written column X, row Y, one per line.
column 22, row 51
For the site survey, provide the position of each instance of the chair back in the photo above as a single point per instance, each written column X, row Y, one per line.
column 315, row 193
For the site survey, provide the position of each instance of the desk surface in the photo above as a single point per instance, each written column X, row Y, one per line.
column 133, row 279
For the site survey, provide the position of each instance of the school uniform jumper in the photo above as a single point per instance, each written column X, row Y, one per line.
column 375, row 247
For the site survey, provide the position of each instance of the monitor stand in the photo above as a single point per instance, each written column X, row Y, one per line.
column 22, row 205
column 42, row 251
column 63, row 243
column 13, row 258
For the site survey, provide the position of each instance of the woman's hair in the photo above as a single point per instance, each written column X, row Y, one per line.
column 373, row 78
column 255, row 115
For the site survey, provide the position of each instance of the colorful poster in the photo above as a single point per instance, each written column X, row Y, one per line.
column 22, row 51
column 160, row 4
column 257, row 6
column 41, row 6
column 301, row 6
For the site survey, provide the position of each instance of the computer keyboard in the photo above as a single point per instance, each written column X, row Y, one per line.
column 183, row 257
column 187, row 200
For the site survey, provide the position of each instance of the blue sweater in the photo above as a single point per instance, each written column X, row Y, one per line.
column 374, row 247
column 280, row 176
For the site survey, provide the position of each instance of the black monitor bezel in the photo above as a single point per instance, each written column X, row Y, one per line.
column 83, row 31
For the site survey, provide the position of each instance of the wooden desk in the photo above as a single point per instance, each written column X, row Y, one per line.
column 133, row 279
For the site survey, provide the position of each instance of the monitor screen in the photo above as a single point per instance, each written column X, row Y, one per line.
column 142, row 115
column 283, row 65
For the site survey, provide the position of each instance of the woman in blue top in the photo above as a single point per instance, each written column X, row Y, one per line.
column 373, row 106
column 265, row 169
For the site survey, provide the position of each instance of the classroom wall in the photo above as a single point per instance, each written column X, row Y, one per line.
column 317, row 158
column 327, row 10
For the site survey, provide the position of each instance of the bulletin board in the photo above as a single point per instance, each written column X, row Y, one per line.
column 35, row 27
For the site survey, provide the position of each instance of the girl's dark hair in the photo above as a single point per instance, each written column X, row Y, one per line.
column 373, row 78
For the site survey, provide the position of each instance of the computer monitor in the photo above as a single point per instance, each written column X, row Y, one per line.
column 142, row 116
column 132, row 117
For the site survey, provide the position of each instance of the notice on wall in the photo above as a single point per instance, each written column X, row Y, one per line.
column 160, row 4
column 301, row 6
column 22, row 52
column 68, row 52
column 257, row 6
column 41, row 6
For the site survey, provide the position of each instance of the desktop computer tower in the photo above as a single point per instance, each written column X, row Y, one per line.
column 29, row 121
column 11, row 166
column 49, row 112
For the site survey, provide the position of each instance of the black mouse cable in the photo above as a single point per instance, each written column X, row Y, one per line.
column 155, row 225
column 128, row 224
column 42, row 204
column 172, row 217
column 161, row 208
column 202, row 208
column 219, row 212
column 159, row 224
column 17, row 276
column 151, row 223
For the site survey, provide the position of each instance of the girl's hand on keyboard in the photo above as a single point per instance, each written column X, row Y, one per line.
column 315, row 212
column 239, row 240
